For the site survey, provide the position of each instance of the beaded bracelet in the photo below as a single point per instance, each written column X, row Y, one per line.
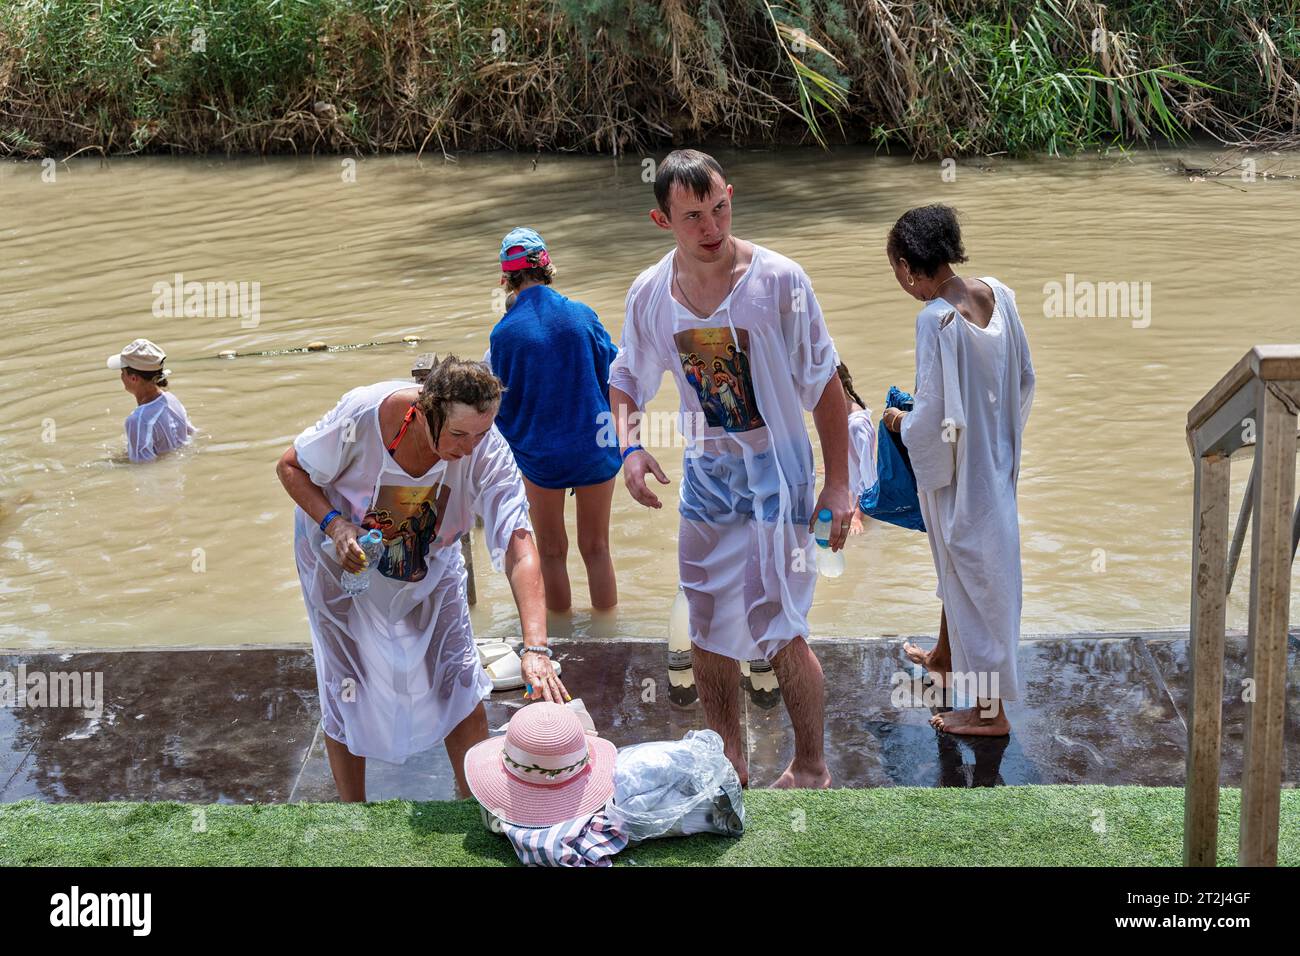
column 536, row 649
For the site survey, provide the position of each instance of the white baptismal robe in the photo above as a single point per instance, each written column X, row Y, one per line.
column 974, row 388
column 157, row 427
column 396, row 665
column 862, row 453
column 745, row 376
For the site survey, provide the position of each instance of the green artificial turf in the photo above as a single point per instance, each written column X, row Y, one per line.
column 904, row 826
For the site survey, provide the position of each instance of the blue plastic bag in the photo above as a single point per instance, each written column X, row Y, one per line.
column 893, row 497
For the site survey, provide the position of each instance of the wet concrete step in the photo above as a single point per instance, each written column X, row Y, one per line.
column 242, row 725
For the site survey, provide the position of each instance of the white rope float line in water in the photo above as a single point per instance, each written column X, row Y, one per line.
column 316, row 347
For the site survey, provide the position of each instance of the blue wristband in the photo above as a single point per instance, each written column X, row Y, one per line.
column 329, row 517
column 631, row 448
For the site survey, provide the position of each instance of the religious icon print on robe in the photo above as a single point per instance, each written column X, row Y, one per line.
column 409, row 518
column 719, row 373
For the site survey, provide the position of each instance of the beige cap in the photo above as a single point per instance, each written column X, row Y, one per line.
column 141, row 355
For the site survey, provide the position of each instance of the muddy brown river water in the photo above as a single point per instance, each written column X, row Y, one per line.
column 196, row 549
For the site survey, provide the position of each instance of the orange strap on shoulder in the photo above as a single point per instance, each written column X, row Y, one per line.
column 406, row 423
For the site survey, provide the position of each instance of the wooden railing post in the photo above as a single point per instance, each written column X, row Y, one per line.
column 467, row 549
column 1243, row 525
column 1256, row 403
column 1270, row 597
column 1209, row 614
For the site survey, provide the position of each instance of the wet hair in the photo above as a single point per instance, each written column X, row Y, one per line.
column 688, row 168
column 155, row 377
column 927, row 237
column 846, row 380
column 452, row 380
column 535, row 272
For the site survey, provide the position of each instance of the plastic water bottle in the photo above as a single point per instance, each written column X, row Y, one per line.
column 763, row 687
column 829, row 563
column 681, row 674
column 372, row 543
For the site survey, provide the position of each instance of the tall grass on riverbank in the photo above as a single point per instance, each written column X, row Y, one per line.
column 944, row 77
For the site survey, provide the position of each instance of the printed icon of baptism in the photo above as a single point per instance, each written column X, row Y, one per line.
column 410, row 518
column 717, row 367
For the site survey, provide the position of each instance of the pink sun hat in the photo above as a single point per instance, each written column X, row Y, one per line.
column 543, row 770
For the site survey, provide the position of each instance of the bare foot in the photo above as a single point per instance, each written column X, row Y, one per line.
column 915, row 654
column 742, row 768
column 937, row 669
column 801, row 778
column 970, row 720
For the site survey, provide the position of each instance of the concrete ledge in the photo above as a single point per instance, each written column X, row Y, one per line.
column 242, row 725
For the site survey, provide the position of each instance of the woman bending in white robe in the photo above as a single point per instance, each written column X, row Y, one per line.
column 396, row 665
column 974, row 386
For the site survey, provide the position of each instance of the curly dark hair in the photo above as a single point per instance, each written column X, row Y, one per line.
column 926, row 237
column 454, row 379
column 535, row 272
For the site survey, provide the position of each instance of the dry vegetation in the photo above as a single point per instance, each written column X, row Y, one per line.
column 616, row 76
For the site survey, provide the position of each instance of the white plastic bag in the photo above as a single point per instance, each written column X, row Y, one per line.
column 676, row 787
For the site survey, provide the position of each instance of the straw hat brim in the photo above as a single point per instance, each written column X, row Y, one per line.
column 539, row 804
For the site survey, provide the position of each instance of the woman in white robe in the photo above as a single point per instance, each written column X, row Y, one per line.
column 974, row 387
column 396, row 665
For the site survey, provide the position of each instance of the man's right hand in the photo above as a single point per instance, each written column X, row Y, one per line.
column 635, row 467
column 344, row 534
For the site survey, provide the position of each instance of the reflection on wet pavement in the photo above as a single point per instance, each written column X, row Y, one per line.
column 242, row 725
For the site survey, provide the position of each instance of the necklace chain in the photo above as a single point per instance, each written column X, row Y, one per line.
column 731, row 279
column 944, row 283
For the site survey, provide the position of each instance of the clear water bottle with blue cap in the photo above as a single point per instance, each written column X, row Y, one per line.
column 372, row 543
column 681, row 672
column 830, row 564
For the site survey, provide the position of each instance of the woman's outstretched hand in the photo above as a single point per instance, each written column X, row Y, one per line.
column 539, row 673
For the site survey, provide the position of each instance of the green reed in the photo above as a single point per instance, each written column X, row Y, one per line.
column 936, row 78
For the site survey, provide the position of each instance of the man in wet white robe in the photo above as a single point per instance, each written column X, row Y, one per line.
column 745, row 553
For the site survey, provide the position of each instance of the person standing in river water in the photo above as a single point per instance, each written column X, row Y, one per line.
column 974, row 387
column 553, row 356
column 159, row 423
column 746, row 506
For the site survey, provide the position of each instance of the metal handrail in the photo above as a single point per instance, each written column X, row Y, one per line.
column 1255, row 403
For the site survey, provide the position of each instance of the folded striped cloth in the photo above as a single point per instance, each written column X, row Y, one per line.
column 585, row 841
